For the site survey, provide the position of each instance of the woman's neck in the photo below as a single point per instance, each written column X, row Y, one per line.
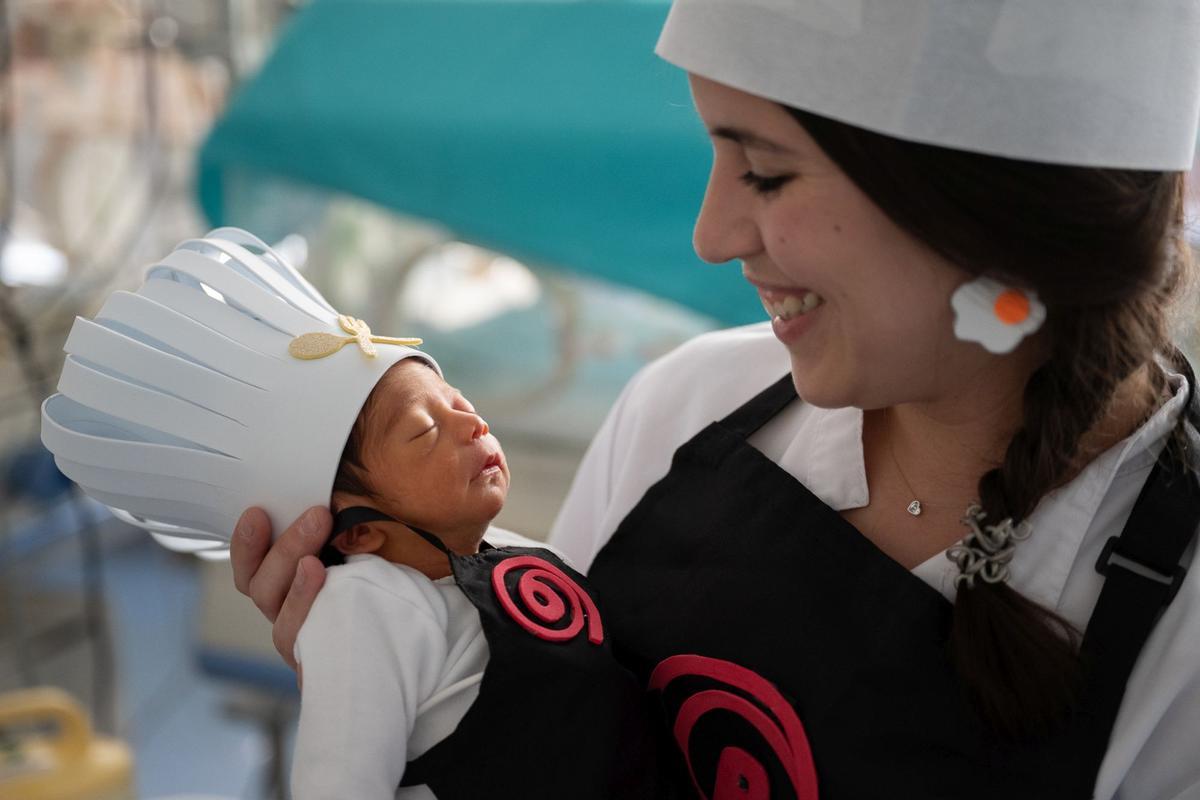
column 945, row 445
column 936, row 453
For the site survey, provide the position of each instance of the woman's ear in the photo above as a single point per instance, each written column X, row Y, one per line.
column 359, row 539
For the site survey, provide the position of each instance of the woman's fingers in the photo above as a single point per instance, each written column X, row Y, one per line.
column 310, row 577
column 251, row 540
column 264, row 571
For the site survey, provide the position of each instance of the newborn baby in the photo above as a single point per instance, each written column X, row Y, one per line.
column 394, row 651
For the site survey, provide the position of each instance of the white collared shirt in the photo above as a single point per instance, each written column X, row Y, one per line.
column 1154, row 751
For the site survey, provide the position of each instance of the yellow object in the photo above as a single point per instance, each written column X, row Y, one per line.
column 67, row 762
column 318, row 345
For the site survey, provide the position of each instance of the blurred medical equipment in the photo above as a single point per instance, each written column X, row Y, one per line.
column 233, row 643
column 102, row 103
column 81, row 173
column 42, row 510
column 548, row 131
column 69, row 762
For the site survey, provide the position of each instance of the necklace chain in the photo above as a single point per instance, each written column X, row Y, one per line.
column 914, row 507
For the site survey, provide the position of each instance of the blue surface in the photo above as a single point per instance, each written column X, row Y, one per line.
column 30, row 472
column 275, row 677
column 58, row 521
column 546, row 130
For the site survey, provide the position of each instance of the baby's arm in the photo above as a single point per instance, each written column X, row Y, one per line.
column 371, row 651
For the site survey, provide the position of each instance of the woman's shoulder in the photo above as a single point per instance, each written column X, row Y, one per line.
column 750, row 345
column 711, row 374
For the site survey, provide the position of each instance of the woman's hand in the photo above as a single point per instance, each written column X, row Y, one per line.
column 282, row 578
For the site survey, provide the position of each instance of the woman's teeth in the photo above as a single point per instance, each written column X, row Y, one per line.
column 792, row 305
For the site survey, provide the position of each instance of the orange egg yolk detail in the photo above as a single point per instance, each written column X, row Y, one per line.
column 1011, row 307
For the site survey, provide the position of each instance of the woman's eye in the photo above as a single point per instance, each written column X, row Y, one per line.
column 763, row 184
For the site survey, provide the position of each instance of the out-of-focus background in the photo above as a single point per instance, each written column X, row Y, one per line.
column 513, row 181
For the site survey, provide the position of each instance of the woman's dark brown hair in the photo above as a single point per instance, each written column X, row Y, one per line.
column 1105, row 251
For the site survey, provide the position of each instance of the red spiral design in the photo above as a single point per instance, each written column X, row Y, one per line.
column 739, row 775
column 542, row 589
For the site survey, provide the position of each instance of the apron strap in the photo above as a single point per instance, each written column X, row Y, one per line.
column 347, row 518
column 748, row 418
column 1142, row 572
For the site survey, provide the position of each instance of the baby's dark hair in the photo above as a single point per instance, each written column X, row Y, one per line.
column 352, row 476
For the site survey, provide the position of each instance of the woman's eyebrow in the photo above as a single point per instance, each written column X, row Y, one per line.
column 749, row 140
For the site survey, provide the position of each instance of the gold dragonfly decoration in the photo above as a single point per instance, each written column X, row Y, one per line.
column 309, row 346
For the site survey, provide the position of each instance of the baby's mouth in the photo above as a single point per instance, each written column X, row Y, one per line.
column 493, row 464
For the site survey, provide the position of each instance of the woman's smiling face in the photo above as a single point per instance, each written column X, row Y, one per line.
column 881, row 331
column 429, row 456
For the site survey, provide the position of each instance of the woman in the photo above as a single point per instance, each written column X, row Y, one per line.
column 927, row 535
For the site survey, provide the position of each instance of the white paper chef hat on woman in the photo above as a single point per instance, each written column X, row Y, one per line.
column 200, row 395
column 1108, row 83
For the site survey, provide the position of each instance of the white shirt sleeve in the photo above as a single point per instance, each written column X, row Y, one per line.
column 1153, row 754
column 1166, row 768
column 578, row 530
column 370, row 652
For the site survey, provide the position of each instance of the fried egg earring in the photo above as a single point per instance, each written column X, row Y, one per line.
column 995, row 315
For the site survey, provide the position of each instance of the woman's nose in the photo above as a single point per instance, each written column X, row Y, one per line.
column 724, row 229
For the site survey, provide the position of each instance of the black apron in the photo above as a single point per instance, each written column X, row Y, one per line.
column 792, row 656
column 557, row 716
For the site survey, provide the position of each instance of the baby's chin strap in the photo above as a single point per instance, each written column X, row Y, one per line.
column 347, row 518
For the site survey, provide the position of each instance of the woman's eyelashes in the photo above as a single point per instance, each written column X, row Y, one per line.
column 764, row 184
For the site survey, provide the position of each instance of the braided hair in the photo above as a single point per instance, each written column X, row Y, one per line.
column 1106, row 252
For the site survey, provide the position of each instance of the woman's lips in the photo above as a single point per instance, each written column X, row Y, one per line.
column 785, row 301
column 792, row 310
column 787, row 305
column 790, row 330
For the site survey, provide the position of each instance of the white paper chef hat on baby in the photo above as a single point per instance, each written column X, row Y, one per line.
column 205, row 392
column 1108, row 83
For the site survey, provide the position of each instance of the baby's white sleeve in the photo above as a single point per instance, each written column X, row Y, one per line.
column 369, row 656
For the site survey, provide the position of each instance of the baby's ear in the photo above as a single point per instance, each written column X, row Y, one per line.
column 359, row 539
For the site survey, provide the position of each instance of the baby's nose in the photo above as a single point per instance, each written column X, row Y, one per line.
column 481, row 428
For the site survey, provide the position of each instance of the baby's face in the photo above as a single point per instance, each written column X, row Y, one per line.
column 430, row 456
